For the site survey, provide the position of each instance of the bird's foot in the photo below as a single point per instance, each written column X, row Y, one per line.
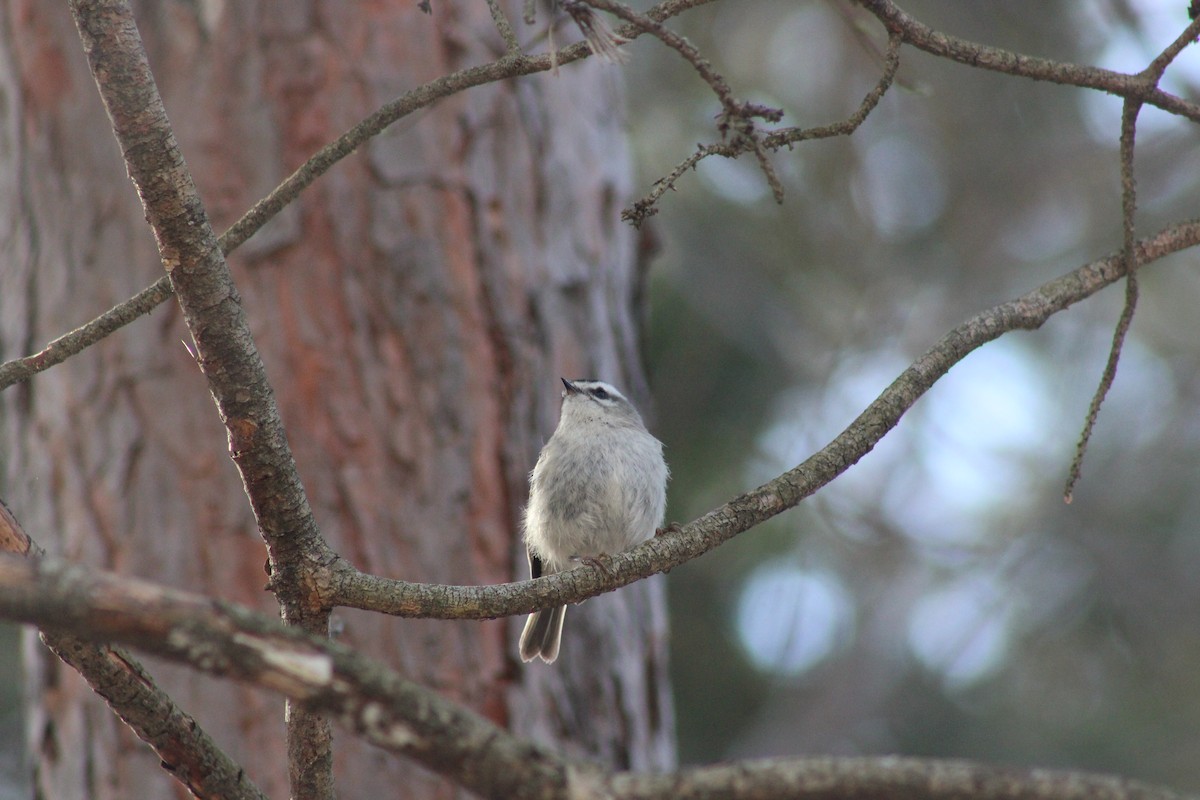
column 674, row 527
column 601, row 562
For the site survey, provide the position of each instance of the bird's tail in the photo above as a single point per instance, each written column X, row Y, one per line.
column 543, row 634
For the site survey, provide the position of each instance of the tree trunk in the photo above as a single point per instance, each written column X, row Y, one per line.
column 414, row 308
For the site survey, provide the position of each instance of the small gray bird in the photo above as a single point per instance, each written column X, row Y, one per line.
column 599, row 487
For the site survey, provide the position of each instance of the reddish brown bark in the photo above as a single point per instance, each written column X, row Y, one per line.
column 413, row 309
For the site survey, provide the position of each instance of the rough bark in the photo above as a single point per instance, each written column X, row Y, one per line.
column 414, row 310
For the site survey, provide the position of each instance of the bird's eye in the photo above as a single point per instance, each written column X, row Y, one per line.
column 600, row 394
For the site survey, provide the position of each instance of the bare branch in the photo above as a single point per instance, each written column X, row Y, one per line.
column 227, row 356
column 184, row 748
column 316, row 674
column 349, row 587
column 78, row 340
column 1154, row 71
column 781, row 137
column 500, row 19
column 677, row 43
column 902, row 28
column 891, row 777
column 983, row 56
column 386, row 710
column 1129, row 113
column 785, row 137
column 737, row 117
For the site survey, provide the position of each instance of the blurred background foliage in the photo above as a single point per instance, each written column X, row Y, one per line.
column 940, row 598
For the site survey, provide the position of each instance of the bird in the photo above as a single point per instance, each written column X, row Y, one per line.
column 599, row 487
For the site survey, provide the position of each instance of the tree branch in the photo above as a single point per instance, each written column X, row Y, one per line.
column 737, row 126
column 225, row 347
column 1129, row 114
column 184, row 748
column 83, row 337
column 901, row 28
column 320, row 676
column 349, row 587
column 780, row 137
column 890, row 777
column 983, row 56
column 504, row 27
column 395, row 714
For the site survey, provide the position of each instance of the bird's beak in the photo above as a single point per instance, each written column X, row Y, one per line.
column 570, row 387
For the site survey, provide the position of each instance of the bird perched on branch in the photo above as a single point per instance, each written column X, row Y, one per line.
column 599, row 487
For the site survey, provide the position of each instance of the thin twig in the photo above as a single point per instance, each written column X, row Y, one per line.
column 677, row 43
column 905, row 28
column 996, row 59
column 1154, row 71
column 67, row 345
column 781, row 137
column 736, row 124
column 500, row 19
column 1129, row 113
